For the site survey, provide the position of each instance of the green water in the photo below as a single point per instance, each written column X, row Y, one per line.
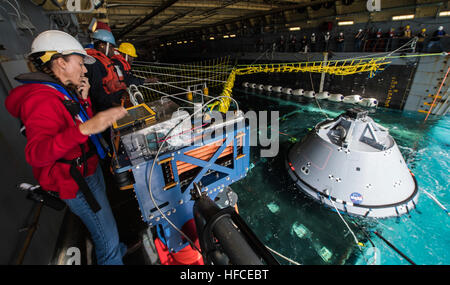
column 301, row 229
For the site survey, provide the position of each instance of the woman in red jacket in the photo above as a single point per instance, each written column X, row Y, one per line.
column 62, row 141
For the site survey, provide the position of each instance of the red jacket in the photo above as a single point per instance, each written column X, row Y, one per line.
column 51, row 135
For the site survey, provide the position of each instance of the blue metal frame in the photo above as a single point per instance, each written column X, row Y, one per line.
column 180, row 208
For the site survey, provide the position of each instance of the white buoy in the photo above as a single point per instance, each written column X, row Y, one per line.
column 352, row 99
column 298, row 92
column 245, row 84
column 336, row 97
column 287, row 91
column 268, row 88
column 368, row 102
column 253, row 85
column 323, row 95
column 310, row 94
column 277, row 89
column 260, row 87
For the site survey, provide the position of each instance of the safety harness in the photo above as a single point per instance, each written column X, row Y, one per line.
column 94, row 142
column 79, row 178
column 76, row 110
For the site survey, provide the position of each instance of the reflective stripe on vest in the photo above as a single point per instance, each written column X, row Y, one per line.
column 121, row 59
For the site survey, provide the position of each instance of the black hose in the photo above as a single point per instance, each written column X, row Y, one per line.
column 394, row 248
column 224, row 236
column 361, row 228
column 213, row 224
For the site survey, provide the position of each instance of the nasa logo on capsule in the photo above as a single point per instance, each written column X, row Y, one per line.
column 356, row 198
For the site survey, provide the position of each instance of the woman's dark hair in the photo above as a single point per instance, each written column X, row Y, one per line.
column 47, row 67
column 35, row 58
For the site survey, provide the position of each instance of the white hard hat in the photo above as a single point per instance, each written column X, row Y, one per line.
column 441, row 28
column 54, row 41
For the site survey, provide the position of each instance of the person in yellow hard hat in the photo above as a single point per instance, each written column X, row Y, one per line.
column 407, row 32
column 128, row 49
column 421, row 39
column 405, row 35
column 123, row 58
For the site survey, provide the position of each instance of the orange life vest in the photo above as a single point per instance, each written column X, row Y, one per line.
column 122, row 60
column 112, row 82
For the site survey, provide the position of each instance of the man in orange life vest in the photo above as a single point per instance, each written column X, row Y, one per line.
column 107, row 89
column 123, row 58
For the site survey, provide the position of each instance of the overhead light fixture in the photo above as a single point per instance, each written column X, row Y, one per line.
column 294, row 29
column 345, row 23
column 402, row 17
column 232, row 36
column 59, row 3
column 185, row 42
column 98, row 3
column 444, row 13
column 211, row 38
column 93, row 25
column 226, row 36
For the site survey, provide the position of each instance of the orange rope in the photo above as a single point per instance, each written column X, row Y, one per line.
column 439, row 91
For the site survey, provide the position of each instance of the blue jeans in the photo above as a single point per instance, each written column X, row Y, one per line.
column 433, row 43
column 102, row 224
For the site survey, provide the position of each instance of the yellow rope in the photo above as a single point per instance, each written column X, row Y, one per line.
column 218, row 69
column 339, row 68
